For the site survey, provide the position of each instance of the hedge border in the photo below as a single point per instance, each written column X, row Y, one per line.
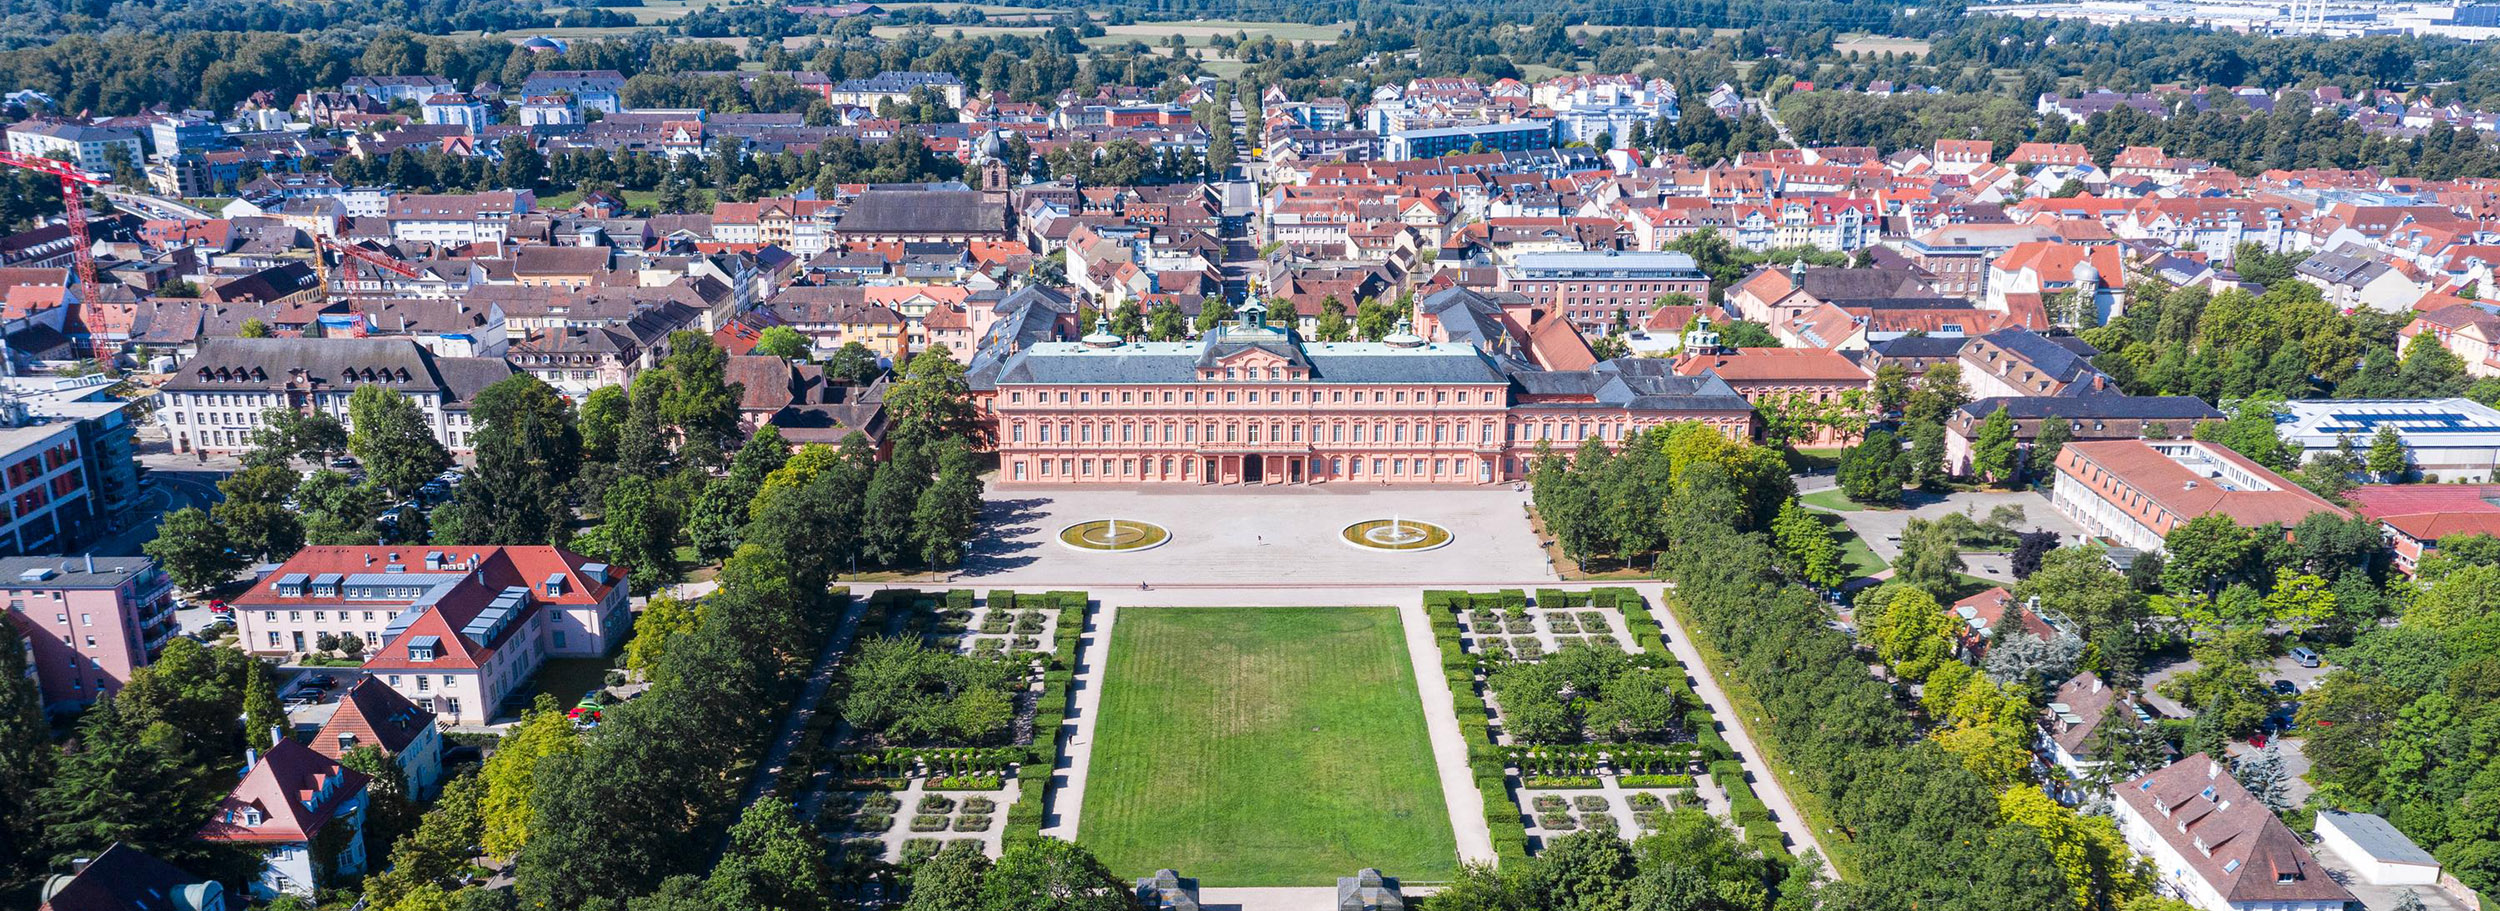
column 1050, row 714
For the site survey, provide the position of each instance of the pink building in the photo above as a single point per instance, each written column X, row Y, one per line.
column 1250, row 404
column 89, row 621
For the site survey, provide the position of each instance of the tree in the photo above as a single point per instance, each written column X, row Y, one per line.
column 2388, row 457
column 603, row 416
column 194, row 550
column 1807, row 544
column 949, row 881
column 337, row 509
column 119, row 782
column 1332, row 325
column 2030, row 549
column 1582, row 871
column 949, row 511
column 2046, row 446
column 637, row 528
column 1909, row 628
column 529, row 450
column 27, row 757
column 1931, row 557
column 390, row 434
column 254, row 327
column 436, row 855
column 2205, row 552
column 254, row 513
column 309, row 435
column 2266, row 778
column 2077, row 584
column 1046, row 874
column 2020, row 657
column 773, row 863
column 511, row 775
column 932, row 400
column 1213, row 312
column 1993, row 451
column 2099, row 867
column 783, row 342
column 2251, row 430
column 852, row 364
column 1870, row 472
column 1167, row 323
column 662, row 621
column 699, row 402
column 264, row 717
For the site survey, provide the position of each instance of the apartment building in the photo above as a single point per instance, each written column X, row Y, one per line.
column 1599, row 290
column 2133, row 492
column 89, row 621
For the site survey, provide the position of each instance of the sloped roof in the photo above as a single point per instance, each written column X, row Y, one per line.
column 374, row 715
column 295, row 792
column 2227, row 836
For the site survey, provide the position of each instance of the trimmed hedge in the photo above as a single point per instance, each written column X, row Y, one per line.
column 959, row 599
column 1024, row 819
column 1502, row 815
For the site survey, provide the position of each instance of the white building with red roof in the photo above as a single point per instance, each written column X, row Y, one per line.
column 2217, row 846
column 371, row 714
column 2133, row 492
column 286, row 807
column 455, row 630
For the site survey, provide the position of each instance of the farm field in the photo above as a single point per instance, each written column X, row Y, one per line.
column 1264, row 747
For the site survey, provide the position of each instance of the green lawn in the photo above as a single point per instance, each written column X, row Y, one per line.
column 1855, row 556
column 1264, row 747
column 1830, row 498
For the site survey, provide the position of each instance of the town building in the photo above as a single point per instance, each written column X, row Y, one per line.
column 92, row 148
column 2101, row 415
column 455, row 630
column 935, row 213
column 89, row 622
column 1252, row 404
column 124, row 878
column 371, row 714
column 2071, row 724
column 214, row 401
column 896, row 87
column 48, row 481
column 2415, row 516
column 2374, row 849
column 2449, row 440
column 2133, row 492
column 2217, row 846
column 1780, row 378
column 286, row 800
column 1600, row 290
column 1433, row 142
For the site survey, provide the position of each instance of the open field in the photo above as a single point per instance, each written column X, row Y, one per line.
column 1880, row 44
column 1264, row 747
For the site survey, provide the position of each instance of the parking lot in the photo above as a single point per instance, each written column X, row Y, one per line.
column 1881, row 529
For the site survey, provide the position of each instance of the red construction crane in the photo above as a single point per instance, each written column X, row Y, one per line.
column 349, row 254
column 73, row 205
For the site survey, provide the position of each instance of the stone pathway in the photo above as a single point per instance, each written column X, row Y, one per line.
column 1064, row 801
column 819, row 680
column 1449, row 746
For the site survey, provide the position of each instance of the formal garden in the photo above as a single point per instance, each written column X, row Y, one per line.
column 1578, row 718
column 951, row 709
column 1263, row 747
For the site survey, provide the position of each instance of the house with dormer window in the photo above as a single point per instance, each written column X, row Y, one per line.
column 2216, row 846
column 371, row 714
column 302, row 811
column 454, row 630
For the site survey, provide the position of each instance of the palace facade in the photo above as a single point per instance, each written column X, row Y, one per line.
column 1253, row 404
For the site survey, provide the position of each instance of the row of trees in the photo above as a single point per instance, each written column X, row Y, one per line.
column 1604, row 501
column 650, row 790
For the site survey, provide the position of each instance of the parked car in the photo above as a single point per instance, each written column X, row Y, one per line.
column 220, row 608
column 2286, row 688
column 2305, row 656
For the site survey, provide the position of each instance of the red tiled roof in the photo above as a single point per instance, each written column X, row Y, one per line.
column 375, row 715
column 286, row 789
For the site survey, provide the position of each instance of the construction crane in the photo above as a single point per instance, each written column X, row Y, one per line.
column 74, row 184
column 350, row 255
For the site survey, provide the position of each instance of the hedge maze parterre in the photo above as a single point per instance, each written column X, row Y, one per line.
column 901, row 794
column 1588, row 742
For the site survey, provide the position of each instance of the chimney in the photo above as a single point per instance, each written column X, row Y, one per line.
column 2213, row 768
column 251, row 757
column 90, row 564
